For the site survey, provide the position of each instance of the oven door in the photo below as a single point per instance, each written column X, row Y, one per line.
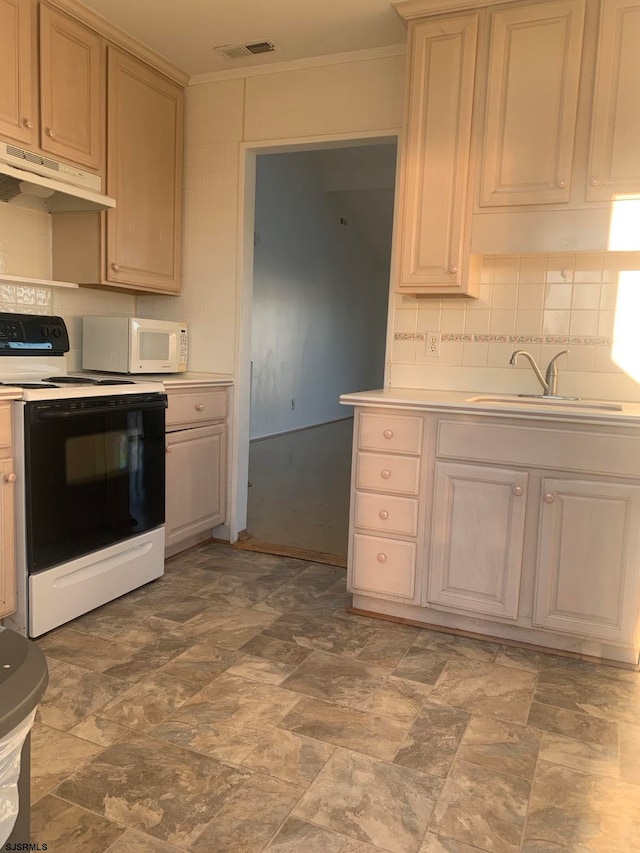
column 94, row 474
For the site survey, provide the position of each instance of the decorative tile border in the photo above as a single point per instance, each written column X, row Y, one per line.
column 573, row 340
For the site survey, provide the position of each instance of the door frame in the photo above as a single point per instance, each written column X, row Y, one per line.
column 240, row 425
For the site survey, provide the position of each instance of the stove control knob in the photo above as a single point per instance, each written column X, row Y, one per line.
column 57, row 332
column 10, row 478
column 44, row 331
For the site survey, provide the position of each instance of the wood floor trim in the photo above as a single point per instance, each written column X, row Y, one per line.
column 291, row 551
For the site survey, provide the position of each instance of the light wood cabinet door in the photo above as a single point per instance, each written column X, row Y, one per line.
column 587, row 565
column 477, row 538
column 7, row 539
column 144, row 174
column 72, row 100
column 535, row 54
column 432, row 225
column 17, row 108
column 614, row 161
column 195, row 487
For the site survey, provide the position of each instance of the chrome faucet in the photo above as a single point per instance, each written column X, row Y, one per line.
column 550, row 380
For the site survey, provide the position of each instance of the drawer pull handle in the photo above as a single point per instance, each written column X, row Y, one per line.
column 50, row 133
column 549, row 497
column 10, row 478
column 388, row 433
column 115, row 267
column 453, row 269
column 384, row 515
column 27, row 123
column 199, row 407
column 382, row 558
column 561, row 184
column 595, row 182
column 517, row 491
column 385, row 473
column 169, row 448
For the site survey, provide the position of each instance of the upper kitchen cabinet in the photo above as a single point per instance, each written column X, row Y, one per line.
column 144, row 174
column 614, row 160
column 533, row 75
column 137, row 245
column 71, row 89
column 433, row 226
column 17, row 102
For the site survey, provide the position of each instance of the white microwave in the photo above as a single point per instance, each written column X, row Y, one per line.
column 134, row 345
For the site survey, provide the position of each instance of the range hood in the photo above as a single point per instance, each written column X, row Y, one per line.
column 64, row 188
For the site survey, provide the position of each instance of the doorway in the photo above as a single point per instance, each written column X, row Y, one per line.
column 319, row 305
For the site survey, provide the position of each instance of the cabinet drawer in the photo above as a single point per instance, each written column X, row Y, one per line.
column 385, row 566
column 5, row 426
column 566, row 449
column 195, row 407
column 381, row 473
column 386, row 513
column 395, row 433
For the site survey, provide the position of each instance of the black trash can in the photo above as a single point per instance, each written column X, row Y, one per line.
column 23, row 679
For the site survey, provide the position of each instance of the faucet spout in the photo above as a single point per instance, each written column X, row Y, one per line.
column 534, row 366
column 550, row 380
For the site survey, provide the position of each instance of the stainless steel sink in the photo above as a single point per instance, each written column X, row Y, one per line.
column 559, row 402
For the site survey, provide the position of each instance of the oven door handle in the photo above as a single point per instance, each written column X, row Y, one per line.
column 99, row 410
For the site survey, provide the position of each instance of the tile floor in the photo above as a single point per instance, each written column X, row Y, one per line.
column 235, row 706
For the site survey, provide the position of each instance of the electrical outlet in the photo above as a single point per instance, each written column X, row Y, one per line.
column 433, row 343
column 293, row 403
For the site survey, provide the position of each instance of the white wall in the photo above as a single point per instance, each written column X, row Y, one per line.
column 319, row 300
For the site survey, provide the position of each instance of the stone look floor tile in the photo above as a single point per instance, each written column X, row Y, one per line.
column 501, row 746
column 56, row 755
column 249, row 820
column 371, row 801
column 131, row 792
column 433, row 740
column 343, row 680
column 581, row 812
column 399, row 699
column 487, row 689
column 289, row 756
column 581, row 726
column 150, row 702
column 66, row 828
column 166, row 792
column 630, row 753
column 580, row 755
column 227, row 718
column 298, row 836
column 483, row 808
column 361, row 731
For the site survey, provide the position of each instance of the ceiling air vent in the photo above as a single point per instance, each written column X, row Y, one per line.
column 240, row 51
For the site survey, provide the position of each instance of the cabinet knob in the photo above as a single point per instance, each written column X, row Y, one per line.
column 385, row 473
column 384, row 515
column 517, row 491
column 595, row 182
column 199, row 407
column 115, row 267
column 561, row 184
column 27, row 123
column 388, row 433
column 10, row 478
column 382, row 558
column 549, row 497
column 169, row 448
column 453, row 268
column 50, row 133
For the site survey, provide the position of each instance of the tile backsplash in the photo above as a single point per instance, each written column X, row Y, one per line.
column 541, row 303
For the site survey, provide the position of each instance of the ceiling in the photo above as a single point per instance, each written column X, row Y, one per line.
column 187, row 31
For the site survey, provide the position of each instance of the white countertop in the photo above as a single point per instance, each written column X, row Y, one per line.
column 169, row 380
column 8, row 392
column 501, row 405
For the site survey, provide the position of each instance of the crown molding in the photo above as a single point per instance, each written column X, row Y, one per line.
column 409, row 10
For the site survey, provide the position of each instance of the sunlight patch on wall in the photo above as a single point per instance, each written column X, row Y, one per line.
column 626, row 339
column 624, row 230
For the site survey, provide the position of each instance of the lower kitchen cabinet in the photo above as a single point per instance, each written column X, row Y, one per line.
column 195, row 465
column 7, row 534
column 477, row 538
column 587, row 567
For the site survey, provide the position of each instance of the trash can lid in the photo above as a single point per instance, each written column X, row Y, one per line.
column 23, row 678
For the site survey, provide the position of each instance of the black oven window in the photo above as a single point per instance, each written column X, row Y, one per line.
column 93, row 479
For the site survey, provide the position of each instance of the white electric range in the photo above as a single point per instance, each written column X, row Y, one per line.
column 90, row 486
